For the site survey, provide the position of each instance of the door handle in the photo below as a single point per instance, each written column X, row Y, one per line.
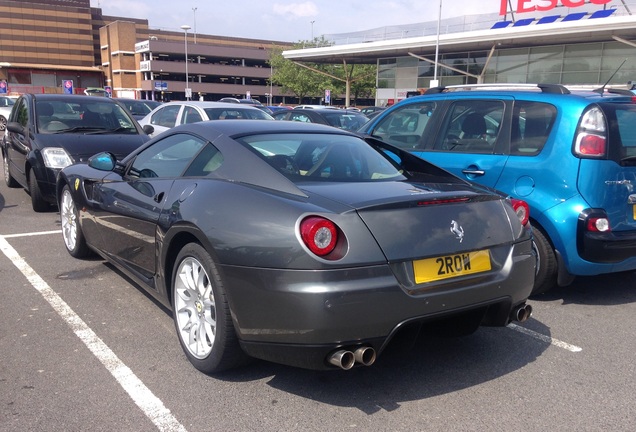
column 474, row 172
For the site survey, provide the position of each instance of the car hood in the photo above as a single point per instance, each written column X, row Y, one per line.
column 416, row 219
column 83, row 146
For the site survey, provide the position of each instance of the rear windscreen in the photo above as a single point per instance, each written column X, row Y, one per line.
column 621, row 119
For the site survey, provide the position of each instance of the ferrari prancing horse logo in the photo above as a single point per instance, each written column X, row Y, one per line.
column 457, row 229
column 77, row 183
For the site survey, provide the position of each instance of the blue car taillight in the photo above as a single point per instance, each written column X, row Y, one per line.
column 591, row 135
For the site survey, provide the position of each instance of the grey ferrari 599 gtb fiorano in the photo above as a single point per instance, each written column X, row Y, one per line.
column 296, row 243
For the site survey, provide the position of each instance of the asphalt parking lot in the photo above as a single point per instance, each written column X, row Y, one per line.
column 81, row 348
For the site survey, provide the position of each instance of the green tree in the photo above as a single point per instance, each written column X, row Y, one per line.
column 312, row 79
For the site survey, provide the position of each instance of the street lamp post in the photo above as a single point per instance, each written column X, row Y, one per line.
column 312, row 31
column 185, row 29
column 435, row 82
column 161, row 83
column 194, row 11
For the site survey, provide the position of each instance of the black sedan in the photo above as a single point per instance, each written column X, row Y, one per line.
column 139, row 108
column 47, row 132
column 298, row 243
column 340, row 118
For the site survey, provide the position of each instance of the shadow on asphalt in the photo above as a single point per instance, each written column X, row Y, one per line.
column 433, row 366
column 602, row 290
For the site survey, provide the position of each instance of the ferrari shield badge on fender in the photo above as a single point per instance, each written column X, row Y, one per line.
column 457, row 230
column 77, row 183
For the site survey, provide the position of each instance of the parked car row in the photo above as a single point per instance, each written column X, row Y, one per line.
column 452, row 207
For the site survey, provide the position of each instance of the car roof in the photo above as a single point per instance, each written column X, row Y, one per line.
column 69, row 98
column 136, row 100
column 209, row 104
column 553, row 92
column 252, row 127
column 326, row 111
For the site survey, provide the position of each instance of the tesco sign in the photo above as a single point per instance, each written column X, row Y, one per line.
column 544, row 5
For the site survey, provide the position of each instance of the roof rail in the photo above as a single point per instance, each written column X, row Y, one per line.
column 545, row 88
column 620, row 91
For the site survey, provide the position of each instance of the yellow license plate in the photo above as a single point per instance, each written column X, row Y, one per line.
column 450, row 266
column 634, row 211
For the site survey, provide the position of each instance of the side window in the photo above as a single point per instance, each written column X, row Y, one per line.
column 166, row 158
column 20, row 113
column 208, row 160
column 300, row 117
column 531, row 126
column 405, row 126
column 471, row 126
column 191, row 115
column 166, row 117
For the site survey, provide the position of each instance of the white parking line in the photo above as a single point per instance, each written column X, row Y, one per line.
column 544, row 338
column 31, row 234
column 151, row 406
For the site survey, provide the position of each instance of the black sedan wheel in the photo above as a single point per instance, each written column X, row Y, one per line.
column 3, row 123
column 8, row 179
column 202, row 314
column 37, row 200
column 71, row 231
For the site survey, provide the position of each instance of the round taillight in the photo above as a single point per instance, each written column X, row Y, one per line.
column 598, row 224
column 319, row 234
column 522, row 210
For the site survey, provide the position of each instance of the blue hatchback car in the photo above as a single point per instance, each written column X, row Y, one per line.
column 570, row 155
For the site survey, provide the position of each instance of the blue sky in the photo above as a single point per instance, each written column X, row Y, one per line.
column 289, row 20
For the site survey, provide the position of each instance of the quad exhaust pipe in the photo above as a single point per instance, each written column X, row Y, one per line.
column 346, row 359
column 521, row 313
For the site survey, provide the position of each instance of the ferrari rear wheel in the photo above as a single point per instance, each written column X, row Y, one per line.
column 202, row 314
column 71, row 231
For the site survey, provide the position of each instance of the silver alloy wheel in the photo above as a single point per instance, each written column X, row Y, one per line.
column 3, row 124
column 68, row 216
column 195, row 308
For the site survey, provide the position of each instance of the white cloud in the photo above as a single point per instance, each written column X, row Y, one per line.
column 296, row 10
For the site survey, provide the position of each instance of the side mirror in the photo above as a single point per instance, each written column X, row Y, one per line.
column 17, row 128
column 148, row 129
column 104, row 161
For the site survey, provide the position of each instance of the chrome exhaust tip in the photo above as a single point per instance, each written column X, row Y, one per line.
column 522, row 312
column 343, row 359
column 365, row 355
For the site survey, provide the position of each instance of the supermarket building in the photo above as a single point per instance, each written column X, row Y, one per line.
column 571, row 42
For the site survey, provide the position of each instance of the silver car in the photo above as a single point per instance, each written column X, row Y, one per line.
column 173, row 114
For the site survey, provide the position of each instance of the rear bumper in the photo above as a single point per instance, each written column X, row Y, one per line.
column 607, row 248
column 603, row 247
column 299, row 317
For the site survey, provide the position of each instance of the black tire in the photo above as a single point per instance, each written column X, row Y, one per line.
column 38, row 202
column 8, row 179
column 546, row 274
column 200, row 305
column 3, row 124
column 71, row 231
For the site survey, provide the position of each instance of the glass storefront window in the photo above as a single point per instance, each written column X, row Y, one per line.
column 580, row 77
column 585, row 57
column 544, row 61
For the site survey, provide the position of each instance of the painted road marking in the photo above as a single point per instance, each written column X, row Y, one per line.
column 151, row 406
column 544, row 338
